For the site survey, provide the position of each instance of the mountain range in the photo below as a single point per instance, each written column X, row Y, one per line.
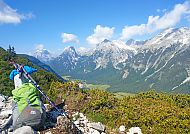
column 161, row 63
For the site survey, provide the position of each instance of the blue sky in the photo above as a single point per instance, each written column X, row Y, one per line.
column 55, row 24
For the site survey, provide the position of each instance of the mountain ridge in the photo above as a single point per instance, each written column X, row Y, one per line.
column 161, row 63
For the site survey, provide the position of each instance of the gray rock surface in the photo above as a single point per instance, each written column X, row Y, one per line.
column 134, row 130
column 5, row 113
column 98, row 126
column 24, row 130
column 86, row 126
column 122, row 129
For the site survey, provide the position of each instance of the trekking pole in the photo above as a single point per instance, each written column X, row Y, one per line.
column 20, row 69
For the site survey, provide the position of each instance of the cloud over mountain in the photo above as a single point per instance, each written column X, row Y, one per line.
column 39, row 47
column 66, row 38
column 156, row 23
column 100, row 33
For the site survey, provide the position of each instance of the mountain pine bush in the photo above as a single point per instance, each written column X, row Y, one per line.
column 151, row 111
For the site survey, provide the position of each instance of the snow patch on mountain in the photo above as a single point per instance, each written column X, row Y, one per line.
column 82, row 50
column 158, row 59
column 70, row 55
column 169, row 37
column 42, row 54
column 120, row 44
column 147, row 66
column 184, row 81
column 70, row 50
column 155, row 72
column 114, row 52
column 126, row 73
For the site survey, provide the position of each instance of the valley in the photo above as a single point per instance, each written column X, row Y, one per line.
column 160, row 63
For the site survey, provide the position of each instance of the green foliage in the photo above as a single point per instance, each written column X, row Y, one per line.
column 5, row 84
column 151, row 111
column 53, row 92
column 11, row 53
column 58, row 89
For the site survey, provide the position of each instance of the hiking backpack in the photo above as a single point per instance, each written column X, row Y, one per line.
column 28, row 109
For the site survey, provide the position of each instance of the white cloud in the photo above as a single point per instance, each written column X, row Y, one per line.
column 39, row 47
column 156, row 23
column 9, row 15
column 66, row 38
column 100, row 33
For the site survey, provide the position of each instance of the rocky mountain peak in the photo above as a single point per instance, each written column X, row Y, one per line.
column 114, row 52
column 132, row 42
column 70, row 51
column 168, row 37
column 106, row 40
column 42, row 54
column 115, row 45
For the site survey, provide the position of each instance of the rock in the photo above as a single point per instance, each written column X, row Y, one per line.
column 90, row 130
column 98, row 126
column 48, row 132
column 76, row 122
column 82, row 125
column 63, row 122
column 47, row 107
column 2, row 104
column 5, row 114
column 75, row 114
column 82, row 129
column 96, row 132
column 85, row 122
column 74, row 119
column 81, row 86
column 122, row 128
column 135, row 130
column 65, row 107
column 81, row 115
column 24, row 130
column 2, row 98
column 93, row 131
column 60, row 120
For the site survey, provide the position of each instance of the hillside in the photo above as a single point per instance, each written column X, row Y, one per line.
column 151, row 111
column 42, row 77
